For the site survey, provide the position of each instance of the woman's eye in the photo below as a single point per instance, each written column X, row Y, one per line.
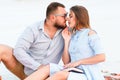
column 70, row 16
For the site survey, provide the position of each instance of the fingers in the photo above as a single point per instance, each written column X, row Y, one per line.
column 70, row 65
column 67, row 66
column 66, row 31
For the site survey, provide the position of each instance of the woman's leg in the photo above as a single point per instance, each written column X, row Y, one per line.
column 61, row 75
column 41, row 74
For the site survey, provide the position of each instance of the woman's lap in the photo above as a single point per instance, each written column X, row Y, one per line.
column 76, row 76
column 72, row 76
column 55, row 68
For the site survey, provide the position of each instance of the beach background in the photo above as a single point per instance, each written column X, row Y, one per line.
column 16, row 15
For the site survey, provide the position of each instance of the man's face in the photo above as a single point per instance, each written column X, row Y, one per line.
column 60, row 15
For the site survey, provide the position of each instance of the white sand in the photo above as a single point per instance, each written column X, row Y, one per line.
column 6, row 75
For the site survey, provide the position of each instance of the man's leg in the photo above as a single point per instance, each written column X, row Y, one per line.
column 6, row 56
column 0, row 78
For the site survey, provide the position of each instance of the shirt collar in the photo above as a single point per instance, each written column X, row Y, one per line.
column 41, row 26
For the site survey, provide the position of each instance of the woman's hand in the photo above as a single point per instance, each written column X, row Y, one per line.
column 66, row 34
column 72, row 64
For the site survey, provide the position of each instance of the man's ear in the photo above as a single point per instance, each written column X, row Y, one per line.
column 52, row 17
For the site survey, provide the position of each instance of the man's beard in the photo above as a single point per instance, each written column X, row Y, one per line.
column 58, row 26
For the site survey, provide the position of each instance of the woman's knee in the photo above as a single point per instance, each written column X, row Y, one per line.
column 46, row 69
column 62, row 73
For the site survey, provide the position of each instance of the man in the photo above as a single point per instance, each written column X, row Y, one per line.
column 39, row 44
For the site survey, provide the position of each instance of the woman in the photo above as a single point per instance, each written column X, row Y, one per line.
column 82, row 50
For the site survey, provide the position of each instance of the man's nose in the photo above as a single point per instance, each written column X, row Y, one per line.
column 66, row 18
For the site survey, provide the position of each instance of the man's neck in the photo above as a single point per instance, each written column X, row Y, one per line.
column 49, row 29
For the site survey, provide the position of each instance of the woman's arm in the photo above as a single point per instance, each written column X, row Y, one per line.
column 96, row 47
column 91, row 60
column 65, row 56
column 98, row 57
column 66, row 35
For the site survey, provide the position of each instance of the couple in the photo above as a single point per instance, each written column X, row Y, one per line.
column 41, row 46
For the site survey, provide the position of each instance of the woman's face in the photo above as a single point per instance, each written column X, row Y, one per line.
column 71, row 19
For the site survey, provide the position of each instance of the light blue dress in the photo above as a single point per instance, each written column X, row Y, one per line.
column 83, row 46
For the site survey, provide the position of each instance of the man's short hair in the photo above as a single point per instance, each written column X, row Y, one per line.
column 52, row 7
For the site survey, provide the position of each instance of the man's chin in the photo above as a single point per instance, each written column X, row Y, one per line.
column 60, row 27
column 64, row 27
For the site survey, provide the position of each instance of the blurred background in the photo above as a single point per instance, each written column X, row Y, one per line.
column 16, row 15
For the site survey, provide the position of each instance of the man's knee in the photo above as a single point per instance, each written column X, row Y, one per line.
column 2, row 50
column 5, row 51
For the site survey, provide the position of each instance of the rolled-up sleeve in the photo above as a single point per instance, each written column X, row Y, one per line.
column 22, row 47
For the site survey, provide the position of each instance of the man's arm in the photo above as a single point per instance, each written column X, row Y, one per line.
column 22, row 47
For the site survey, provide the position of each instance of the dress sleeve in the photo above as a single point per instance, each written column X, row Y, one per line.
column 95, row 44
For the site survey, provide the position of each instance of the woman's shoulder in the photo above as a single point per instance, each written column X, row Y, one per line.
column 91, row 32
